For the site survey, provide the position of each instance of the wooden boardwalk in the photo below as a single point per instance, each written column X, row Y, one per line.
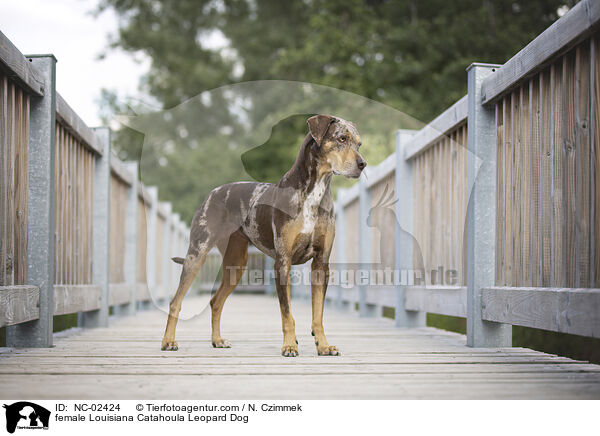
column 378, row 361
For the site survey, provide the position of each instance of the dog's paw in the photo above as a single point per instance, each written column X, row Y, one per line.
column 329, row 350
column 221, row 343
column 289, row 350
column 169, row 345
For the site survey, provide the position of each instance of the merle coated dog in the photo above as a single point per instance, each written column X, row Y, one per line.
column 292, row 221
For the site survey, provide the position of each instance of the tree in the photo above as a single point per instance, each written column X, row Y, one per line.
column 408, row 54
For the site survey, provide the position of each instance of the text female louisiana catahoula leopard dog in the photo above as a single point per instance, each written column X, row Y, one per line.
column 291, row 221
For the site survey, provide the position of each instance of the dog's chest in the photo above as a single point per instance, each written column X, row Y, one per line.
column 310, row 207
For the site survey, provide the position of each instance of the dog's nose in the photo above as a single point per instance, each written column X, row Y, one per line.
column 361, row 164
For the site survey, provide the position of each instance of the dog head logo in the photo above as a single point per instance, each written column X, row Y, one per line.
column 24, row 414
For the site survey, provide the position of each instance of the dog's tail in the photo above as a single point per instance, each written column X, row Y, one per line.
column 178, row 260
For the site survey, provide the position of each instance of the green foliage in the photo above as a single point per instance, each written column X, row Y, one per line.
column 408, row 54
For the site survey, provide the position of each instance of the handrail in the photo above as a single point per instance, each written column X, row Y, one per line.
column 575, row 25
column 69, row 118
column 17, row 67
column 443, row 123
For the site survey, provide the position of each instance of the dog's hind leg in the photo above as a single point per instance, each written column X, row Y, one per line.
column 194, row 260
column 234, row 263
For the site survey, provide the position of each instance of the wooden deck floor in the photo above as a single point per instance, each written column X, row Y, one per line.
column 378, row 361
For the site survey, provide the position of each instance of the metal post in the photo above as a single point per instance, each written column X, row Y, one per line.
column 166, row 258
column 131, row 233
column 40, row 203
column 364, row 250
column 101, row 232
column 481, row 214
column 151, row 232
column 404, row 232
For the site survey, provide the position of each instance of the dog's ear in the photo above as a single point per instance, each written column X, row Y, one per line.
column 318, row 126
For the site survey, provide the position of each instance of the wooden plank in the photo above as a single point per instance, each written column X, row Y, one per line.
column 326, row 386
column 432, row 132
column 444, row 300
column 76, row 298
column 75, row 125
column 500, row 207
column 453, row 200
column 462, row 178
column 516, row 188
column 508, row 190
column 575, row 25
column 583, row 179
column 18, row 304
column 525, row 147
column 118, row 204
column 566, row 310
column 119, row 293
column 535, row 171
column 546, row 129
column 57, row 206
column 18, row 68
column 21, row 184
column 10, row 205
column 4, row 162
column 569, row 172
column 557, row 138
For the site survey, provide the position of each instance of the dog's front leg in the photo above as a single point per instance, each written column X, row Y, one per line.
column 319, row 279
column 282, row 283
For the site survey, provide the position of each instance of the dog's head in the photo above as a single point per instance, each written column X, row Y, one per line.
column 338, row 142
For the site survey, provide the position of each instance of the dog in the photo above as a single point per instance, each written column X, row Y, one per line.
column 291, row 221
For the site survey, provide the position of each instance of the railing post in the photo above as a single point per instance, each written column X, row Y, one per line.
column 166, row 258
column 101, row 232
column 131, row 235
column 151, row 265
column 341, row 247
column 40, row 203
column 364, row 249
column 404, row 223
column 481, row 213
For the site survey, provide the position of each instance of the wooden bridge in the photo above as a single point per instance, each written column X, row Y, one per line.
column 379, row 361
column 498, row 222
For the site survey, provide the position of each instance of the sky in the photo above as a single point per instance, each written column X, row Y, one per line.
column 66, row 29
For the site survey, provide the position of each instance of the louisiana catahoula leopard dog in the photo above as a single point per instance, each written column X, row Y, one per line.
column 291, row 221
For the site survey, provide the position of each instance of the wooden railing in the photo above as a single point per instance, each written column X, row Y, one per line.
column 78, row 232
column 14, row 135
column 499, row 197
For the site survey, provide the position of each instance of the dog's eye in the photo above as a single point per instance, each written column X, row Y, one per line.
column 342, row 139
